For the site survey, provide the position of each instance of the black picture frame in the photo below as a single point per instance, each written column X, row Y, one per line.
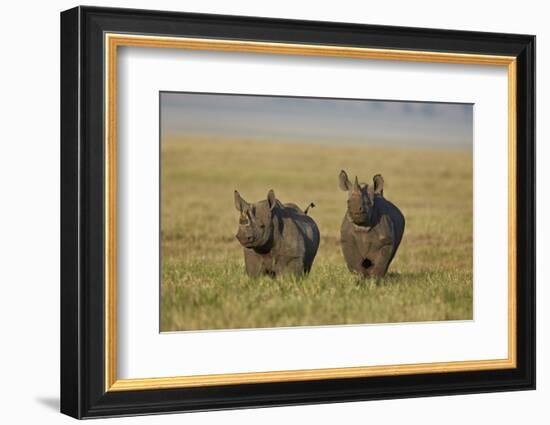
column 83, row 392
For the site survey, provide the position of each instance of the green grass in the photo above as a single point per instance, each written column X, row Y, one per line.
column 204, row 285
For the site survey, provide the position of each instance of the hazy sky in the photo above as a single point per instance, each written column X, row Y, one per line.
column 317, row 120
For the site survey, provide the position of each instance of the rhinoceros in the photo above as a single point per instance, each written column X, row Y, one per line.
column 372, row 227
column 277, row 238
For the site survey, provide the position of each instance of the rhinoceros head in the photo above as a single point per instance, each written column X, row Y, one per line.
column 255, row 221
column 360, row 197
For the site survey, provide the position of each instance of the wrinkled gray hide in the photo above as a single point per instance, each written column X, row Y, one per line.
column 277, row 238
column 372, row 227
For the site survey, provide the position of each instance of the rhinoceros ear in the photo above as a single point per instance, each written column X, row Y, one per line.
column 240, row 203
column 378, row 184
column 343, row 181
column 271, row 200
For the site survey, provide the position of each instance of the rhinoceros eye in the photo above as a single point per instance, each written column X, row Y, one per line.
column 243, row 219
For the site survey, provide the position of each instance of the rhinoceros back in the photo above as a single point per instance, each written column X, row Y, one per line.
column 306, row 229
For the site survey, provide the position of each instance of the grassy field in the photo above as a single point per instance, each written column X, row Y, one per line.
column 204, row 285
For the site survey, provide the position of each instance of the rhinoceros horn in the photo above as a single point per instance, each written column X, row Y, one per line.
column 356, row 187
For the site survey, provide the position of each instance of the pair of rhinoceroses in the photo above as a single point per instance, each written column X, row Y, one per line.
column 282, row 239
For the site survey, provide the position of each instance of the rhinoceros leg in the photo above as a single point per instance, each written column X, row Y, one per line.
column 384, row 229
column 381, row 261
column 253, row 263
column 290, row 266
column 354, row 260
column 383, row 255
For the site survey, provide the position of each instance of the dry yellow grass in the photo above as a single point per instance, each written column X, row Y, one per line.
column 203, row 281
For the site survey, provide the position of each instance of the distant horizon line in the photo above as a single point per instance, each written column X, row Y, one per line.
column 410, row 144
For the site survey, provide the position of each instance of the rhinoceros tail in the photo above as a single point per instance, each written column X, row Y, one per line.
column 311, row 205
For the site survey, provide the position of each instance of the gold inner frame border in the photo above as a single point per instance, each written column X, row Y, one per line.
column 113, row 40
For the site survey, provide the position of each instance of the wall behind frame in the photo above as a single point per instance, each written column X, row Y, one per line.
column 29, row 176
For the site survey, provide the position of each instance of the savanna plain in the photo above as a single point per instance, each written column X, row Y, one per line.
column 203, row 282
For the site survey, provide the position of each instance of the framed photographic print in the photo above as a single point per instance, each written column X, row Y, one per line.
column 261, row 212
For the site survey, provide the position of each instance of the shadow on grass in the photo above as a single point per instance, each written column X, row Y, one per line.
column 391, row 278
